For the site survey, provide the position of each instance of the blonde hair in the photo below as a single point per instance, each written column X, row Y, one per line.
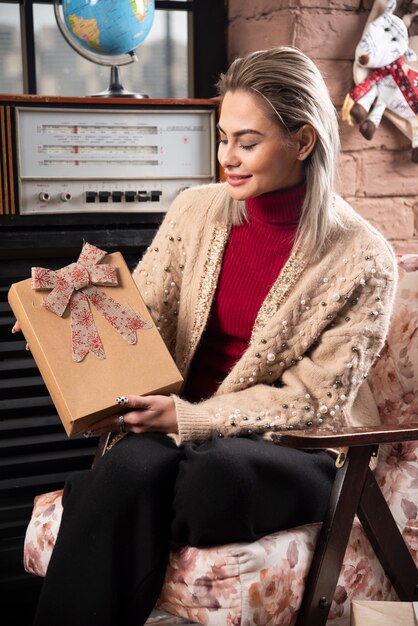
column 290, row 88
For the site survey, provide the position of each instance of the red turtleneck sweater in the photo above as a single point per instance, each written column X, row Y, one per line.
column 254, row 256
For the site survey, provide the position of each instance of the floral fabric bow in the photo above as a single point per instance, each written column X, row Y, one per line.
column 74, row 285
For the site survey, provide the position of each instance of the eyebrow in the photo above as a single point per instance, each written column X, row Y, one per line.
column 244, row 131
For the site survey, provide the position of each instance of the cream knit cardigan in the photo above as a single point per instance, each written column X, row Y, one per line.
column 316, row 334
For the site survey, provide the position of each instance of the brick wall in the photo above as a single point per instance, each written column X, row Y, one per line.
column 377, row 177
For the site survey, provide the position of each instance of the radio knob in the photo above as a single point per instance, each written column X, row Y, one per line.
column 130, row 196
column 104, row 196
column 91, row 196
column 117, row 196
column 65, row 196
column 44, row 196
column 156, row 195
column 143, row 196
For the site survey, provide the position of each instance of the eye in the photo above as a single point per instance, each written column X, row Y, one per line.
column 248, row 147
column 394, row 39
column 386, row 29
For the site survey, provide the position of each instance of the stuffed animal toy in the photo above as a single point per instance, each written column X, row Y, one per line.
column 390, row 84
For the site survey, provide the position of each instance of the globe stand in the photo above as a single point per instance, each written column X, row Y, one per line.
column 116, row 89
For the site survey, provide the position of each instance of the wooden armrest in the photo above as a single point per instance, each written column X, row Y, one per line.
column 347, row 437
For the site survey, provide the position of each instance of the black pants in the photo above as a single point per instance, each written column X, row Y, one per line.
column 121, row 518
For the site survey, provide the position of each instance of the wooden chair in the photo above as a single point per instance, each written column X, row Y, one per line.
column 367, row 545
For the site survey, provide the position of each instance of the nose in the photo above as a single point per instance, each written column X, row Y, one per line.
column 228, row 156
column 364, row 59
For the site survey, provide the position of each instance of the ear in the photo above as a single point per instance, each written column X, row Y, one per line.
column 410, row 55
column 305, row 141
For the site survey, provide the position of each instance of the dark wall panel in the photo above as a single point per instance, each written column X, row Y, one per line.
column 35, row 453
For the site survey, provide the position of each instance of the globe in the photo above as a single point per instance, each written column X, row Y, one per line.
column 106, row 32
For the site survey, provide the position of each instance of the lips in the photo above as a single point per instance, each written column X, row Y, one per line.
column 236, row 180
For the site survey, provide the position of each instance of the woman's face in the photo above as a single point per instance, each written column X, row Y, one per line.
column 254, row 152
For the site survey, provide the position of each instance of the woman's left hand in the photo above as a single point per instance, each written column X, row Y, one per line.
column 141, row 414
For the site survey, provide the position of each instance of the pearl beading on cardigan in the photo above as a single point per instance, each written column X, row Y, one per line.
column 308, row 326
column 323, row 409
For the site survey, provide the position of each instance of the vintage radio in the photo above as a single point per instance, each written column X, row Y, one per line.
column 89, row 155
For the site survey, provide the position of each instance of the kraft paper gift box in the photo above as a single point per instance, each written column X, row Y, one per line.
column 92, row 337
column 380, row 613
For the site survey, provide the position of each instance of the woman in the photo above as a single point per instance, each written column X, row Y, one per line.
column 274, row 297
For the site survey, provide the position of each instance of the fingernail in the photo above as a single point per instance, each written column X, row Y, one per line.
column 13, row 331
column 27, row 347
column 122, row 400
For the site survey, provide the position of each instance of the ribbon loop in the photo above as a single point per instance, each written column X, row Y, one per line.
column 90, row 255
column 103, row 274
column 43, row 278
column 74, row 285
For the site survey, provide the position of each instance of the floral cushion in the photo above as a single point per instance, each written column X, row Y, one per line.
column 394, row 384
column 42, row 532
column 261, row 583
